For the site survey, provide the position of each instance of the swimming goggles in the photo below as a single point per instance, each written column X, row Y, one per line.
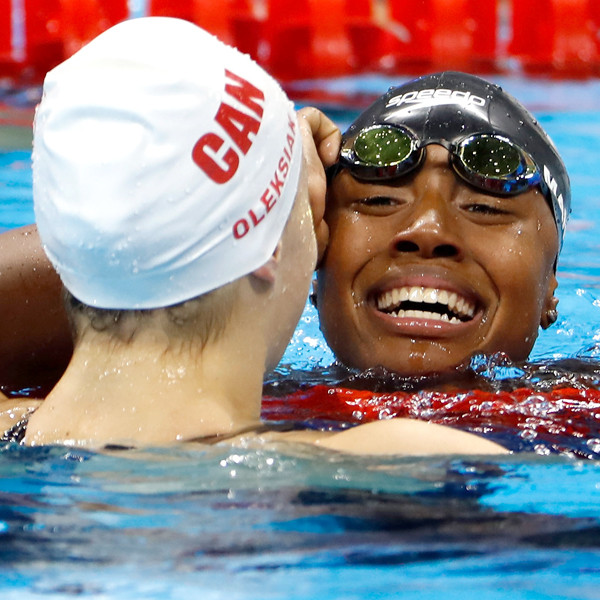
column 489, row 162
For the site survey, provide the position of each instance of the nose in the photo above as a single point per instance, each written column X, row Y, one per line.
column 432, row 229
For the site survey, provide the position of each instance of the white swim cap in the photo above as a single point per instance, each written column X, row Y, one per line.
column 165, row 165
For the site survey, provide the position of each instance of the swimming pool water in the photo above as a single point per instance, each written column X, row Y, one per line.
column 297, row 523
column 266, row 523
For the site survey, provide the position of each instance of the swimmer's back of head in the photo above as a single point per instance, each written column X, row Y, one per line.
column 165, row 165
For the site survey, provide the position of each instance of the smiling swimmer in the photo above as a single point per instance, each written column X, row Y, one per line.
column 446, row 210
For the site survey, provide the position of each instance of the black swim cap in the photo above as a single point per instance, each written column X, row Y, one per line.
column 453, row 105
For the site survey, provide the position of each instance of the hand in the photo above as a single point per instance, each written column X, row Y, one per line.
column 321, row 144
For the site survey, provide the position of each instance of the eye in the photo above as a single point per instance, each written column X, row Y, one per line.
column 377, row 205
column 479, row 208
column 379, row 201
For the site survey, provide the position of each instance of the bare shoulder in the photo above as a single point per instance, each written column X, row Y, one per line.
column 407, row 437
column 12, row 410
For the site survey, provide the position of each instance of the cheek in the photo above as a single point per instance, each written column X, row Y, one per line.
column 336, row 276
column 522, row 257
column 353, row 241
column 522, row 275
column 527, row 265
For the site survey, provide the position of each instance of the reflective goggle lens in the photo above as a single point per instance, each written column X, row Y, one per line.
column 490, row 156
column 494, row 164
column 383, row 146
column 489, row 162
column 381, row 152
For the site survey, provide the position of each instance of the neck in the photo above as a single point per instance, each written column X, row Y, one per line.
column 153, row 390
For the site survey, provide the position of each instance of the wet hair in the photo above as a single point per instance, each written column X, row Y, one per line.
column 203, row 318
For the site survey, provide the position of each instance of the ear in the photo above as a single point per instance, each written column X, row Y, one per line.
column 268, row 271
column 549, row 313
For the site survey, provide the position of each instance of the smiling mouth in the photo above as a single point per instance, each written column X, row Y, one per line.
column 425, row 303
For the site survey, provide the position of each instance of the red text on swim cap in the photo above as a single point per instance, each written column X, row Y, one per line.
column 274, row 189
column 217, row 155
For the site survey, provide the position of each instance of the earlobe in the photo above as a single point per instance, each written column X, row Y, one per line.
column 268, row 271
column 549, row 313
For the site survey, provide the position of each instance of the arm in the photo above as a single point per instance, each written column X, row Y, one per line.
column 402, row 437
column 35, row 345
column 409, row 437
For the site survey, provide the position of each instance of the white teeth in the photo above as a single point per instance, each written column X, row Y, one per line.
column 386, row 300
column 459, row 305
column 452, row 300
column 456, row 304
column 416, row 294
column 430, row 296
column 421, row 314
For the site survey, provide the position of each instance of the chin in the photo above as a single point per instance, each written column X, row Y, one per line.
column 410, row 366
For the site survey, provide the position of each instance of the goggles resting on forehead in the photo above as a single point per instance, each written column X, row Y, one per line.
column 487, row 161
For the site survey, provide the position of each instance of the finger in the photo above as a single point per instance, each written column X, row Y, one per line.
column 325, row 133
column 321, row 141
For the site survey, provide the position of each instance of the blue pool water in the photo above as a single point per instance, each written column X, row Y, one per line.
column 297, row 523
column 269, row 523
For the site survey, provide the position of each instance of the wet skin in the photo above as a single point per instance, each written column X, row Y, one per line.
column 485, row 262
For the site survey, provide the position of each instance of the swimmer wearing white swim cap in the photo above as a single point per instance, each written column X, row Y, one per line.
column 168, row 196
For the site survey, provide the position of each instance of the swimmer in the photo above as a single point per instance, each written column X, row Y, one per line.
column 446, row 213
column 171, row 196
